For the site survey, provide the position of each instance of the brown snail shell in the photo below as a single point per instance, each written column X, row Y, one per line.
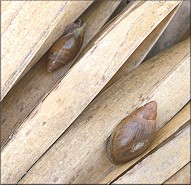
column 133, row 134
column 66, row 47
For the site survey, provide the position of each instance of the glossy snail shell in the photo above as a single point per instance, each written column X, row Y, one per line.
column 133, row 134
column 66, row 47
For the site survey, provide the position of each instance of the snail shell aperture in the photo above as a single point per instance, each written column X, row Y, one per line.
column 66, row 47
column 133, row 134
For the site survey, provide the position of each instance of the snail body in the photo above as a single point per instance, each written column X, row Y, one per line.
column 133, row 134
column 66, row 47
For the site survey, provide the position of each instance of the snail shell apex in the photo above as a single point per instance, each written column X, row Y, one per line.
column 66, row 47
column 133, row 134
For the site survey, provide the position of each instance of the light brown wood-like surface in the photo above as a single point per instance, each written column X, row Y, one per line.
column 28, row 30
column 30, row 90
column 181, row 177
column 119, row 9
column 141, row 52
column 83, row 82
column 175, row 31
column 79, row 156
column 162, row 164
column 9, row 10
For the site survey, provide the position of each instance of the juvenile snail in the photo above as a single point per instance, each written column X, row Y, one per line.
column 133, row 134
column 66, row 47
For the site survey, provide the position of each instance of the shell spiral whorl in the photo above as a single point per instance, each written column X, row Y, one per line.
column 66, row 47
column 133, row 134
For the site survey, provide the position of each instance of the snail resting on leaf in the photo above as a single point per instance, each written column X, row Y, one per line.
column 66, row 47
column 133, row 134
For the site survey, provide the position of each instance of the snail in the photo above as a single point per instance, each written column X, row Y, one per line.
column 66, row 47
column 133, row 134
